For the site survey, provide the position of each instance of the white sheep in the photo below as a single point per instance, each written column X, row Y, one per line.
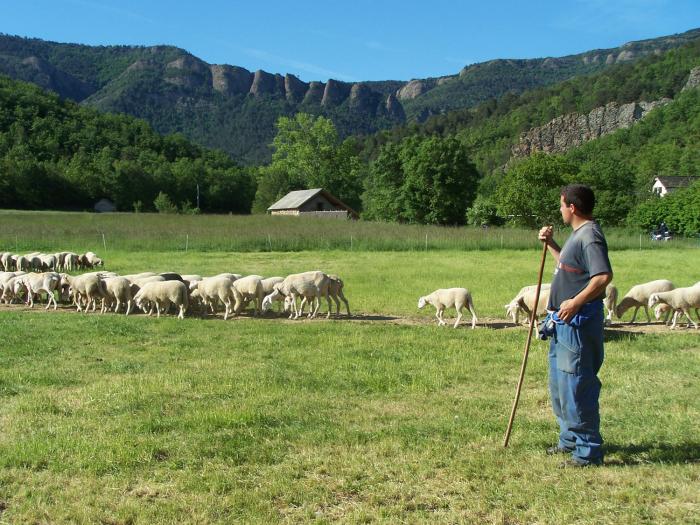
column 447, row 298
column 7, row 283
column 118, row 290
column 682, row 299
column 524, row 301
column 638, row 297
column 88, row 286
column 310, row 286
column 335, row 292
column 6, row 261
column 214, row 289
column 664, row 310
column 163, row 294
column 246, row 289
column 269, row 287
column 34, row 283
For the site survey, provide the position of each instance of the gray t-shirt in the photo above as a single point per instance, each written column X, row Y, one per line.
column 584, row 255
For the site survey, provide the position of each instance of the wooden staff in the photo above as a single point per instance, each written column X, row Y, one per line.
column 533, row 314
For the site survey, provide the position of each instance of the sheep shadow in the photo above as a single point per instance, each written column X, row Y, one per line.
column 646, row 453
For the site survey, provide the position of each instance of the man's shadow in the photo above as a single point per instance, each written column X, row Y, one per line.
column 647, row 453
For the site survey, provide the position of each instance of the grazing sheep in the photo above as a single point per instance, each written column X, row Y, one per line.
column 7, row 283
column 88, row 286
column 335, row 291
column 269, row 287
column 664, row 310
column 90, row 260
column 682, row 299
column 214, row 289
column 40, row 282
column 638, row 297
column 609, row 301
column 311, row 286
column 246, row 289
column 524, row 301
column 163, row 294
column 447, row 298
column 118, row 290
column 48, row 262
column 22, row 264
column 6, row 261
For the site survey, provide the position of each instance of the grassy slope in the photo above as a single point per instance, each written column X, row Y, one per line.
column 137, row 420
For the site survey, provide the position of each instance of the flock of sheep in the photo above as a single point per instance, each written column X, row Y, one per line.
column 25, row 277
column 661, row 294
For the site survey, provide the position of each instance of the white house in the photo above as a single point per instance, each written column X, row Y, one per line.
column 664, row 185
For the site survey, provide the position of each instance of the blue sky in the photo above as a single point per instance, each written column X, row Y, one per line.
column 353, row 40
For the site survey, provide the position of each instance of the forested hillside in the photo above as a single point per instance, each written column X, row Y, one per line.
column 55, row 154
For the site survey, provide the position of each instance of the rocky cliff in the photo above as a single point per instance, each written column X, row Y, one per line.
column 572, row 130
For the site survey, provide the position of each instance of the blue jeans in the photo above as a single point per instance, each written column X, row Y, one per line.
column 575, row 356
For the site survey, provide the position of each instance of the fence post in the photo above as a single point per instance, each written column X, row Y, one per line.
column 187, row 242
column 640, row 242
column 351, row 242
column 426, row 242
column 269, row 243
column 104, row 243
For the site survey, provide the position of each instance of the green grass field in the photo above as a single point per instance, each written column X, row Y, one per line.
column 114, row 419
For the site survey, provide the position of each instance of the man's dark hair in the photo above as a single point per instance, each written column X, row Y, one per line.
column 580, row 196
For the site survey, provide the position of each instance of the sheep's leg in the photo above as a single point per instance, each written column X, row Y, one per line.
column 128, row 307
column 646, row 311
column 181, row 315
column 687, row 314
column 473, row 312
column 317, row 301
column 459, row 317
column 342, row 298
column 157, row 309
column 438, row 314
column 301, row 306
column 227, row 310
column 634, row 316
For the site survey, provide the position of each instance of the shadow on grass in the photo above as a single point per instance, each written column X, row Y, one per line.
column 618, row 335
column 649, row 453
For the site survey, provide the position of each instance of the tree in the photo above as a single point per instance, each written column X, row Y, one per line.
column 529, row 192
column 421, row 180
column 440, row 182
column 163, row 204
column 308, row 154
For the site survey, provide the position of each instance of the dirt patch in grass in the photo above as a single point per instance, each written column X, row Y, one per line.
column 492, row 323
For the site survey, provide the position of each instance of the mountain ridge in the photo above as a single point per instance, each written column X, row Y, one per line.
column 230, row 107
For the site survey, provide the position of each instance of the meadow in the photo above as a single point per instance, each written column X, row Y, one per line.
column 383, row 417
column 29, row 231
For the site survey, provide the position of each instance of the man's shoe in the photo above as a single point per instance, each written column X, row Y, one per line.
column 575, row 463
column 556, row 449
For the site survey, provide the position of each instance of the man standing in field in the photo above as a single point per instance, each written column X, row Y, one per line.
column 576, row 348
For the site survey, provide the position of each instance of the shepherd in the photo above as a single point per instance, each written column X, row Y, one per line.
column 576, row 354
